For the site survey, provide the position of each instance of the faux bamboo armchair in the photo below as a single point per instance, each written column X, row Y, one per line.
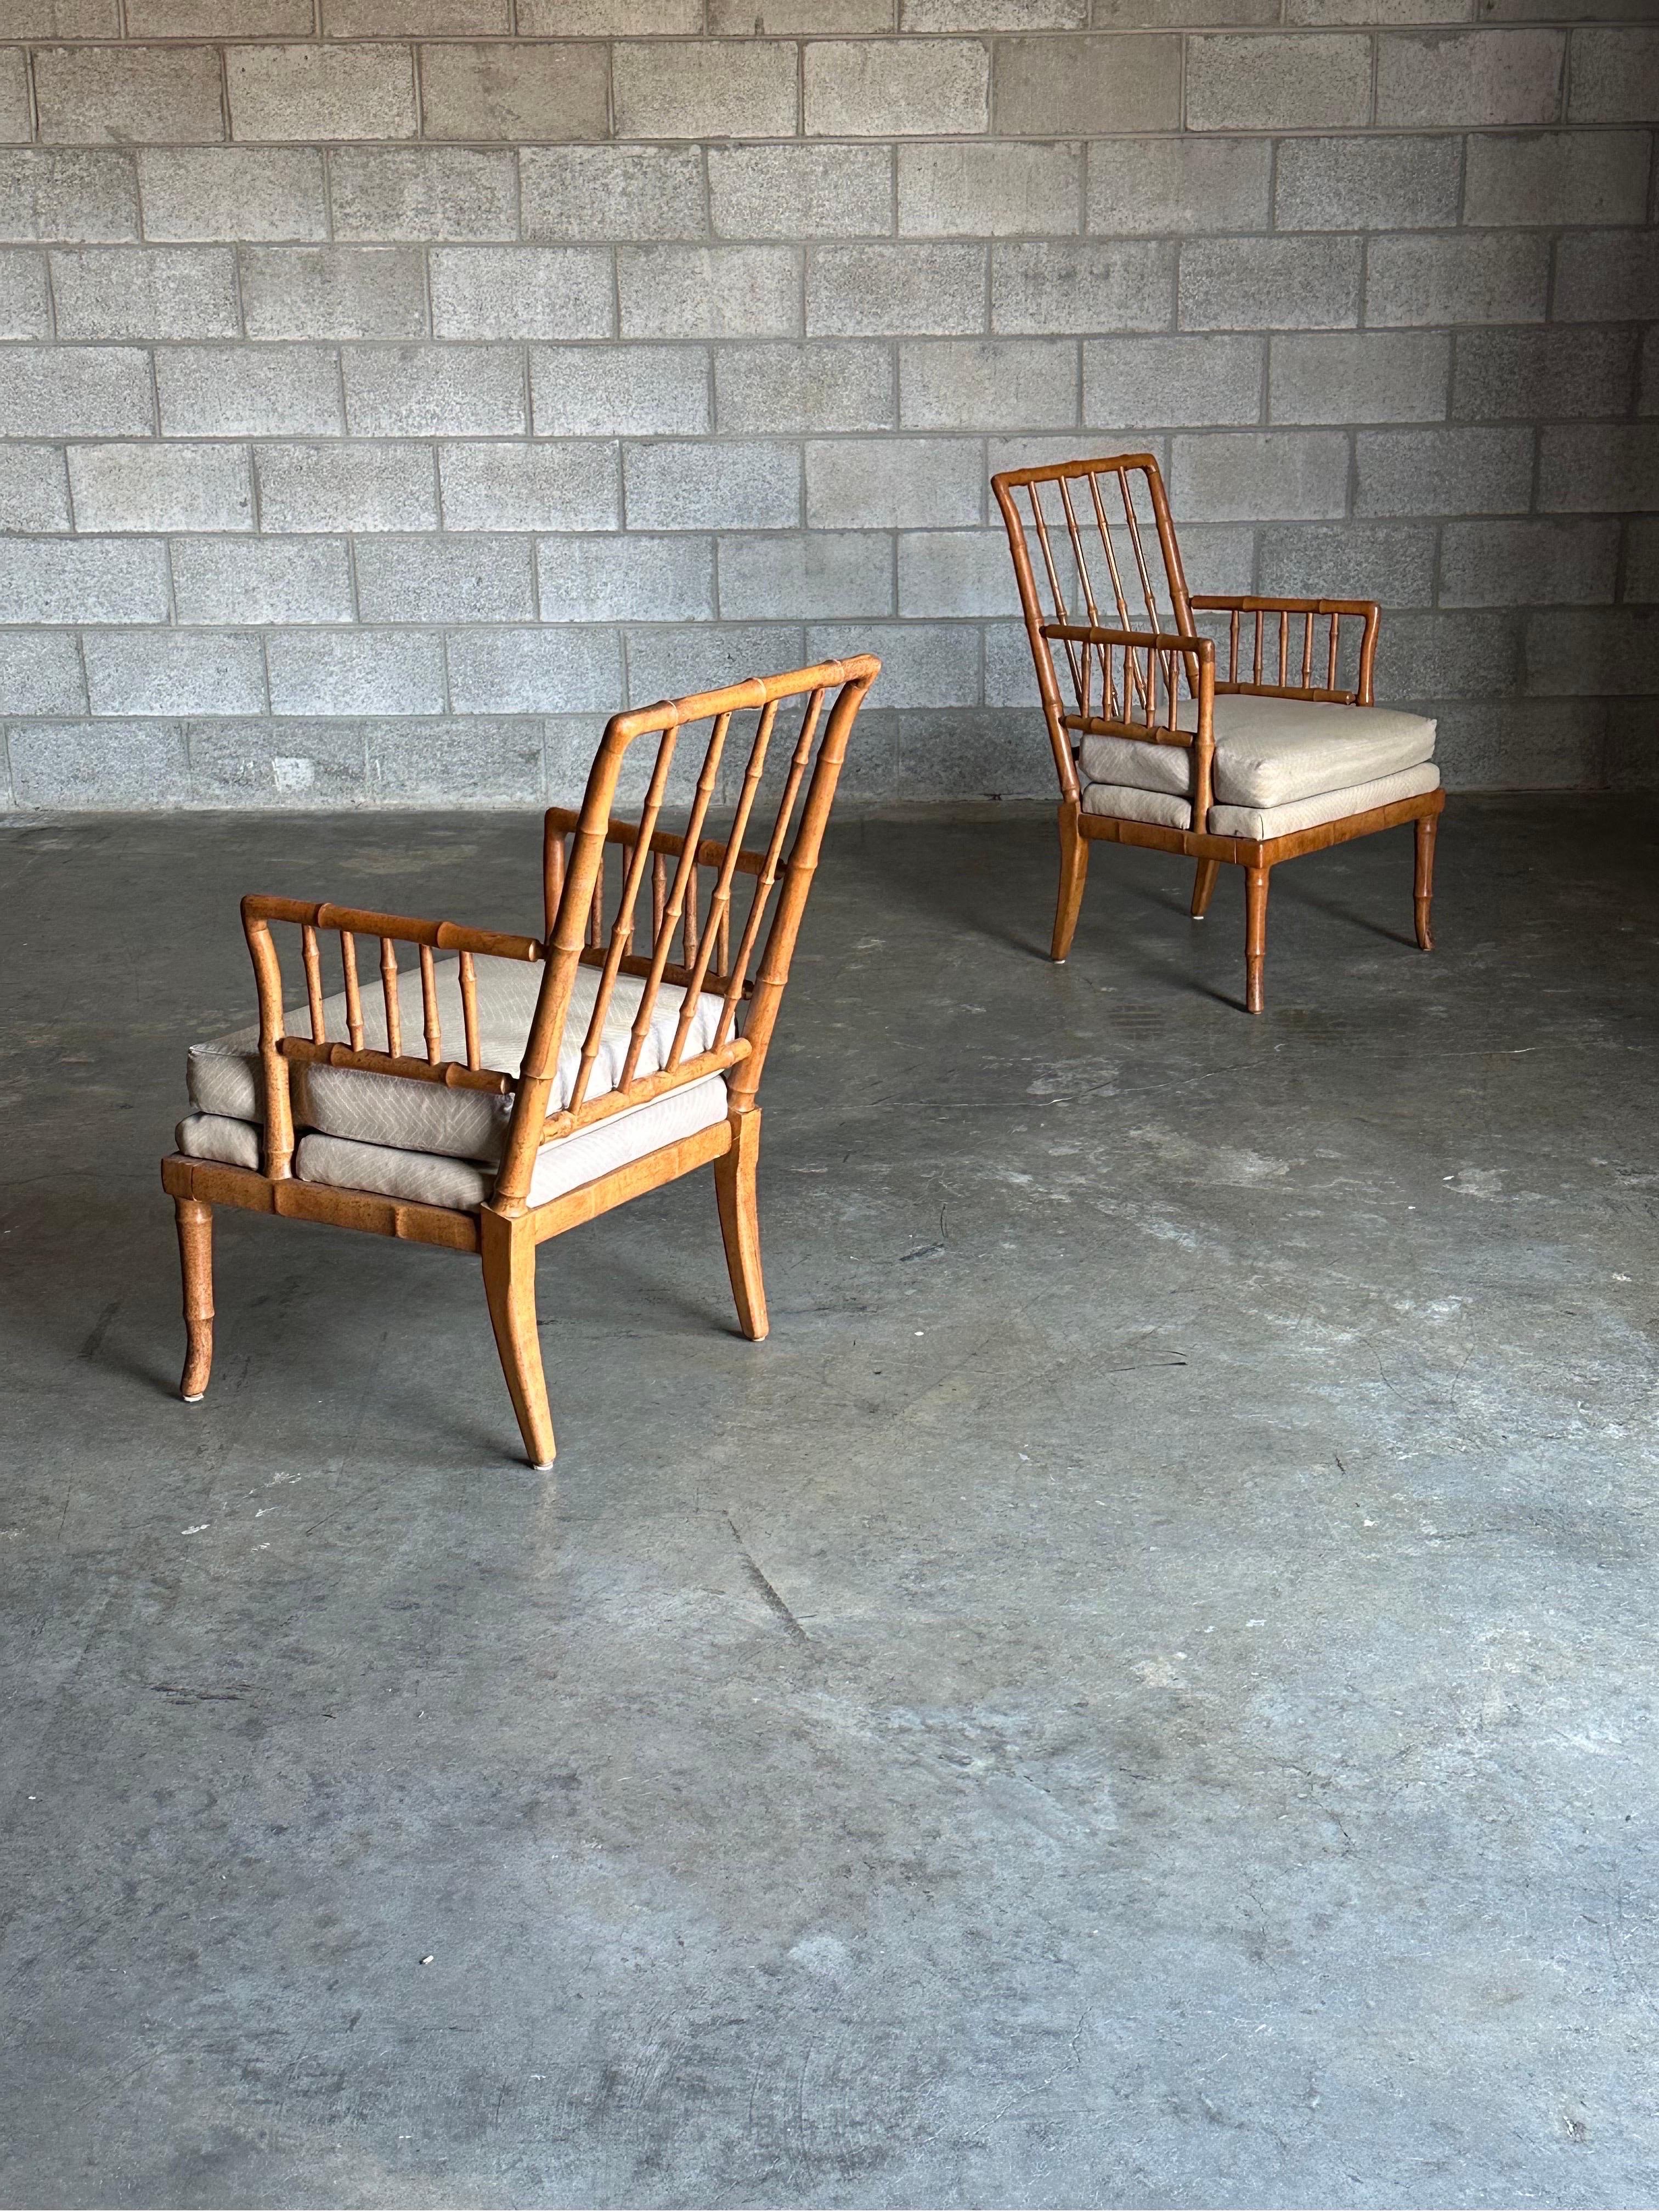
column 622, row 1049
column 1276, row 751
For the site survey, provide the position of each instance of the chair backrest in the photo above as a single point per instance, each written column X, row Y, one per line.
column 649, row 914
column 1094, row 549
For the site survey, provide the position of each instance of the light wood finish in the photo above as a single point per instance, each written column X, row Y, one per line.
column 651, row 916
column 1119, row 642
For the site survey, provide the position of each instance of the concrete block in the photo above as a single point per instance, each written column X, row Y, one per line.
column 1611, row 277
column 418, row 19
column 880, row 291
column 613, row 192
column 894, row 88
column 333, row 291
column 1469, row 80
column 847, row 385
column 1011, row 680
column 1539, row 375
column 483, row 763
column 261, row 579
column 770, row 578
column 736, row 485
column 988, row 384
column 604, row 19
column 893, row 484
column 1631, row 752
column 515, row 93
column 521, row 292
column 436, row 392
column 569, row 485
column 310, row 92
column 801, row 192
column 1642, row 563
column 668, row 663
column 993, row 15
column 709, row 291
column 287, row 764
column 249, row 391
column 983, row 754
column 476, row 579
column 173, row 671
column 698, row 88
column 1360, row 376
column 70, row 581
column 1610, row 468
column 145, row 292
column 989, row 191
column 535, row 671
column 1272, row 283
column 1553, row 177
column 1607, row 652
column 418, row 193
column 922, row 663
column 637, row 577
column 1089, row 285
column 40, row 674
column 77, row 392
column 1392, row 562
column 1525, row 745
column 33, row 489
column 953, row 573
column 1274, row 80
column 63, row 19
column 160, row 486
column 1042, row 452
column 217, row 19
column 748, row 19
column 1648, row 392
column 16, row 123
column 1177, row 187
column 1423, row 656
column 25, row 298
column 1528, row 564
column 585, row 391
column 1368, row 184
column 1236, row 476
column 68, row 766
column 355, row 671
column 1616, row 73
column 79, row 196
column 1219, row 556
column 1056, row 87
column 128, row 95
column 1481, row 276
column 233, row 193
column 346, row 487
column 1443, row 471
column 1132, row 383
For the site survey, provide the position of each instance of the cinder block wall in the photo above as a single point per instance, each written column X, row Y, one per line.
column 391, row 387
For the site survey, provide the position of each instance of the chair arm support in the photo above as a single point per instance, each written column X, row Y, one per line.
column 1255, row 609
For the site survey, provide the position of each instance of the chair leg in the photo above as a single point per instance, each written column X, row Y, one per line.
column 1203, row 884
column 1073, row 874
column 196, row 1264
column 734, row 1190
column 1255, row 936
column 508, row 1252
column 1423, row 886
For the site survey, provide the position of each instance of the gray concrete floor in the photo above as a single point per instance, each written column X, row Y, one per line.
column 1141, row 1693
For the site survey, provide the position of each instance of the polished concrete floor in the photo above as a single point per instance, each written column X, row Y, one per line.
column 1142, row 1692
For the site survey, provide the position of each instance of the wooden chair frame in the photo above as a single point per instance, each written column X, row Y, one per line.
column 583, row 926
column 1129, row 680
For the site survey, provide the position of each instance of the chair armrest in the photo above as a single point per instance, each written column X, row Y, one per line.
column 1137, row 657
column 1251, row 631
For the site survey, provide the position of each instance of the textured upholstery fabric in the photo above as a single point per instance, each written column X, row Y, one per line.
column 217, row 1137
column 1269, row 752
column 1128, row 805
column 431, row 1180
column 224, row 1077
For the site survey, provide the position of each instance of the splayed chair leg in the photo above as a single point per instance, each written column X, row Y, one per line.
column 1203, row 877
column 1255, row 936
column 195, row 1219
column 1427, row 826
column 735, row 1191
column 508, row 1252
column 1073, row 874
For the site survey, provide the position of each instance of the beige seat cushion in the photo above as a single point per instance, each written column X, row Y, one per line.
column 431, row 1179
column 1126, row 804
column 1269, row 752
column 224, row 1076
